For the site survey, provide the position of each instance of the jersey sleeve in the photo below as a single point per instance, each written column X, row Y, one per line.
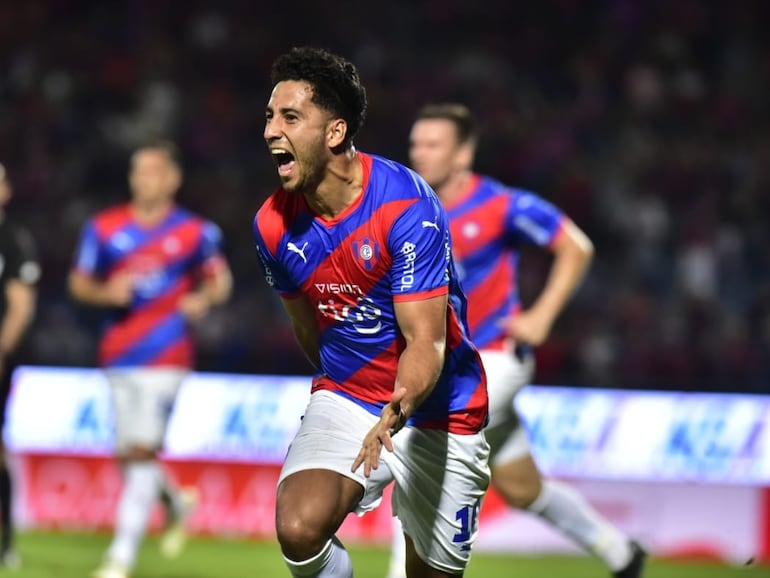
column 532, row 219
column 419, row 244
column 212, row 252
column 275, row 275
column 90, row 256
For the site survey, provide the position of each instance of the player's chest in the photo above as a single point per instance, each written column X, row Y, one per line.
column 144, row 252
column 471, row 235
column 337, row 260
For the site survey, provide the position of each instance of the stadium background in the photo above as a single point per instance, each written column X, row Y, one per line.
column 646, row 121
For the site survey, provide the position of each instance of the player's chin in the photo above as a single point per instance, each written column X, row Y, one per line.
column 290, row 185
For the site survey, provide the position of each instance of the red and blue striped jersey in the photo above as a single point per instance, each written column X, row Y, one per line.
column 166, row 261
column 393, row 244
column 489, row 222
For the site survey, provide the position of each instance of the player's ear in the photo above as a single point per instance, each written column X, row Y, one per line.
column 176, row 179
column 336, row 133
column 465, row 156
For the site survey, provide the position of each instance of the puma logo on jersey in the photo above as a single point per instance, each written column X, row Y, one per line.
column 294, row 249
column 426, row 224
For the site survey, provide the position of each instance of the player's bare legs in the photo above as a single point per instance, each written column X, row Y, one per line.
column 310, row 507
column 518, row 481
column 416, row 568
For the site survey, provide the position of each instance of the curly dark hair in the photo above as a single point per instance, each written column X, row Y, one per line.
column 335, row 81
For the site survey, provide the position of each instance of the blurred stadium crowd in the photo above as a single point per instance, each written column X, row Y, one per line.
column 645, row 120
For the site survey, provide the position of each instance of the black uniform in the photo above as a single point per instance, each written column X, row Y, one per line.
column 18, row 261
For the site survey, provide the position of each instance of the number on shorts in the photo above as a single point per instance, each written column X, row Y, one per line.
column 468, row 518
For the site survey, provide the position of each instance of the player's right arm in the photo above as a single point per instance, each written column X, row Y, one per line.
column 303, row 321
column 88, row 282
column 117, row 291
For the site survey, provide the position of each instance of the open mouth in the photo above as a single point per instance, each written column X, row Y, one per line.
column 284, row 160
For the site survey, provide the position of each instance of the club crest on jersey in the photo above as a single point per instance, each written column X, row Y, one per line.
column 366, row 253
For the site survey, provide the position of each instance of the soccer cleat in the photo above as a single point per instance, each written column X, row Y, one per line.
column 10, row 559
column 174, row 537
column 635, row 566
column 110, row 569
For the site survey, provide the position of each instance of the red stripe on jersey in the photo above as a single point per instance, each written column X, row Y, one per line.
column 178, row 354
column 487, row 220
column 422, row 295
column 111, row 220
column 123, row 335
column 278, row 210
column 489, row 295
column 378, row 373
column 474, row 415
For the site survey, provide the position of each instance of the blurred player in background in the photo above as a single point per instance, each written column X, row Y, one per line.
column 157, row 268
column 19, row 274
column 358, row 248
column 489, row 221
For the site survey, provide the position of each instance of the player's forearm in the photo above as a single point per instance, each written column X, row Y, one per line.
column 571, row 261
column 309, row 342
column 217, row 289
column 419, row 368
column 89, row 291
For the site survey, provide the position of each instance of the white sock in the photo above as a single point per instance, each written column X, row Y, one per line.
column 140, row 491
column 397, row 567
column 331, row 562
column 566, row 509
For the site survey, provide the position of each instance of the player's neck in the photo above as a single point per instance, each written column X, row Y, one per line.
column 454, row 187
column 150, row 213
column 340, row 187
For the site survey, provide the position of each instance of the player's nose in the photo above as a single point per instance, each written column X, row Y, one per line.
column 272, row 130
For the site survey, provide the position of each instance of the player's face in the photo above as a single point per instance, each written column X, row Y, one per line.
column 295, row 133
column 154, row 177
column 434, row 151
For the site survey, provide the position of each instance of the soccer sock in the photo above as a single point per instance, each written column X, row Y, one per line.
column 140, row 491
column 332, row 561
column 566, row 509
column 397, row 567
column 6, row 505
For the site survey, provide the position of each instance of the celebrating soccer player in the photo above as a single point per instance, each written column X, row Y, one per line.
column 358, row 248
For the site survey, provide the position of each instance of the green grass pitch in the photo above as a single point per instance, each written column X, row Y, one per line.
column 74, row 555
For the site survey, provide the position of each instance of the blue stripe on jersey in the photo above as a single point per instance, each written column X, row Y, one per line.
column 487, row 329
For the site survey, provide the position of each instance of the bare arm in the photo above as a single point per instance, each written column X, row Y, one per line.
column 115, row 292
column 213, row 290
column 21, row 299
column 305, row 327
column 423, row 325
column 573, row 252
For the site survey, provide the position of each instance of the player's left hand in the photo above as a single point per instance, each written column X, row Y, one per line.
column 194, row 306
column 391, row 420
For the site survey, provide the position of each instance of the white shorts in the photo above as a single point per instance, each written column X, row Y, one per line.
column 506, row 375
column 440, row 478
column 142, row 401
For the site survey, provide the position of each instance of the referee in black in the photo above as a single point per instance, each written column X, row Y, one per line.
column 19, row 273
